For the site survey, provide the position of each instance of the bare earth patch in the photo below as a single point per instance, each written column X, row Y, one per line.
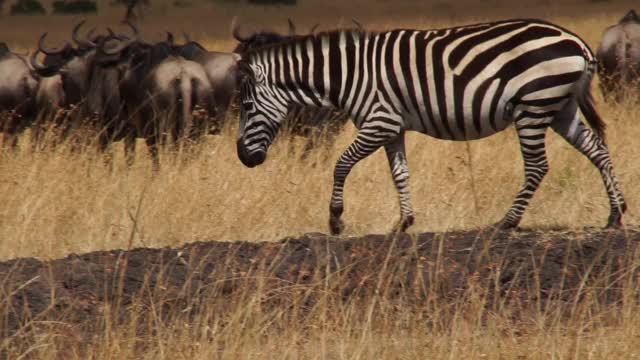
column 516, row 271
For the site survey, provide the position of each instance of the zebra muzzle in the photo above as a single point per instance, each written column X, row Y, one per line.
column 250, row 159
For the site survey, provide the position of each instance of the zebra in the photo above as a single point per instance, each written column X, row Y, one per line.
column 459, row 83
column 318, row 125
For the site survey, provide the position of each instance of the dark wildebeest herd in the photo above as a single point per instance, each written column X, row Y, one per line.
column 123, row 87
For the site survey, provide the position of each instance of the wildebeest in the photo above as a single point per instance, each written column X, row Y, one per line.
column 122, row 83
column 18, row 89
column 619, row 57
column 159, row 90
column 71, row 64
column 220, row 69
column 65, row 78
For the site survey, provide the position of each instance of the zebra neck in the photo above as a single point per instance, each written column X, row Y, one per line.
column 313, row 70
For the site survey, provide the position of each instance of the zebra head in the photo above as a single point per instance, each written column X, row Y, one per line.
column 261, row 114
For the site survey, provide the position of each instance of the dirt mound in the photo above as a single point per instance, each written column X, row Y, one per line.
column 524, row 267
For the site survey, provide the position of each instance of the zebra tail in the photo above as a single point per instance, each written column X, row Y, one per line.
column 585, row 100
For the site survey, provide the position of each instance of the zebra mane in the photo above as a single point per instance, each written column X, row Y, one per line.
column 363, row 32
column 246, row 57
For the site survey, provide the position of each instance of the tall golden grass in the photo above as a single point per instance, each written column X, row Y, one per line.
column 57, row 201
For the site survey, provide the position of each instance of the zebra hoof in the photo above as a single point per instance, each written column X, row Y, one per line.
column 614, row 222
column 336, row 225
column 404, row 223
column 504, row 226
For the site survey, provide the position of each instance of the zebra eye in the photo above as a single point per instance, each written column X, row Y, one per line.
column 247, row 105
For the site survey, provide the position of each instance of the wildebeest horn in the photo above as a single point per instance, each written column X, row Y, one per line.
column 186, row 36
column 314, row 28
column 235, row 30
column 42, row 48
column 170, row 38
column 357, row 23
column 33, row 60
column 90, row 34
column 39, row 68
column 74, row 34
column 77, row 40
column 292, row 27
column 117, row 49
column 113, row 35
column 134, row 29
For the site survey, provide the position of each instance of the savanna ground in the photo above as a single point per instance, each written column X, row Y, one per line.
column 437, row 292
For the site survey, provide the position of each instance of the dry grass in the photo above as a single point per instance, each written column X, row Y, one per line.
column 56, row 202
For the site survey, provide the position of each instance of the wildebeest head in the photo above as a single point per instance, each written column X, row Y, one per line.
column 67, row 62
column 106, row 71
column 257, row 39
column 55, row 58
column 262, row 38
column 189, row 50
column 70, row 63
column 118, row 69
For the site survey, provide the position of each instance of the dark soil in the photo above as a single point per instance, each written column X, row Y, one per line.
column 541, row 267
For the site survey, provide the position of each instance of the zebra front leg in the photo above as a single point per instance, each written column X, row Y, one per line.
column 531, row 133
column 400, row 172
column 365, row 144
column 593, row 147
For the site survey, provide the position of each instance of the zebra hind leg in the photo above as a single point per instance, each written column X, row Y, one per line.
column 531, row 133
column 366, row 143
column 397, row 157
column 581, row 137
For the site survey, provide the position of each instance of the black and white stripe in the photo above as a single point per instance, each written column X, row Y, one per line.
column 460, row 83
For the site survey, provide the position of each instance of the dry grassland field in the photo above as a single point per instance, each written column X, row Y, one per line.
column 207, row 259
